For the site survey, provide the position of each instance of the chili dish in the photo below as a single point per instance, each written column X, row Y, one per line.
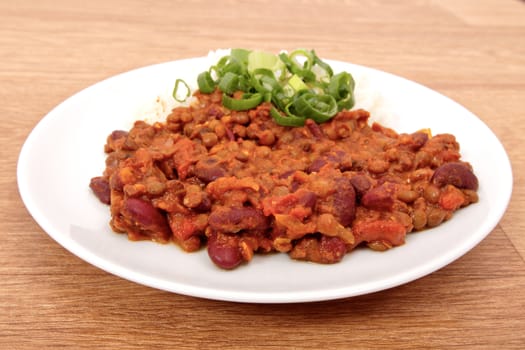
column 240, row 183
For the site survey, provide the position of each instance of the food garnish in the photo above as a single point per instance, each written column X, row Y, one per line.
column 298, row 84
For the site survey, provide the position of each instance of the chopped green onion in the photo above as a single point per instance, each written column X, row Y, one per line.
column 298, row 84
column 286, row 120
column 323, row 66
column 240, row 54
column 247, row 101
column 176, row 90
column 320, row 108
column 263, row 80
column 341, row 87
column 264, row 60
column 206, row 83
column 229, row 83
column 308, row 58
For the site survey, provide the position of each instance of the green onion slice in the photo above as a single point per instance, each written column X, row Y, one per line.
column 247, row 101
column 229, row 83
column 320, row 108
column 206, row 83
column 176, row 92
column 341, row 87
column 286, row 120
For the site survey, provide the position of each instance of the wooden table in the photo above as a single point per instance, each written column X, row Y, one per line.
column 471, row 51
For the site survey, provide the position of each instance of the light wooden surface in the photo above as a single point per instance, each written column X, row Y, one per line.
column 471, row 51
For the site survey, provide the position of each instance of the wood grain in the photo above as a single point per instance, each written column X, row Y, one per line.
column 471, row 51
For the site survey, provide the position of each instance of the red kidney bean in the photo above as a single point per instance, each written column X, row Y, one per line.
column 224, row 250
column 235, row 219
column 336, row 159
column 118, row 134
column 344, row 201
column 332, row 249
column 100, row 186
column 229, row 133
column 286, row 174
column 314, row 128
column 306, row 198
column 457, row 174
column 419, row 139
column 379, row 198
column 316, row 165
column 215, row 112
column 208, row 170
column 361, row 184
column 116, row 140
column 143, row 214
column 204, row 205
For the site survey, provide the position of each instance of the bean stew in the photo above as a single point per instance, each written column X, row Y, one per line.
column 239, row 184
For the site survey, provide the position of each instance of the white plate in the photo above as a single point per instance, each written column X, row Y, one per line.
column 65, row 150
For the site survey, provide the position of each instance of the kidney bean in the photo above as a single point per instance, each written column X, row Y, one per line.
column 361, row 184
column 235, row 219
column 337, row 159
column 344, row 201
column 418, row 140
column 100, row 186
column 146, row 217
column 224, row 251
column 316, row 165
column 314, row 128
column 286, row 174
column 306, row 198
column 215, row 112
column 379, row 198
column 229, row 133
column 457, row 174
column 332, row 249
column 116, row 140
column 208, row 170
column 117, row 135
